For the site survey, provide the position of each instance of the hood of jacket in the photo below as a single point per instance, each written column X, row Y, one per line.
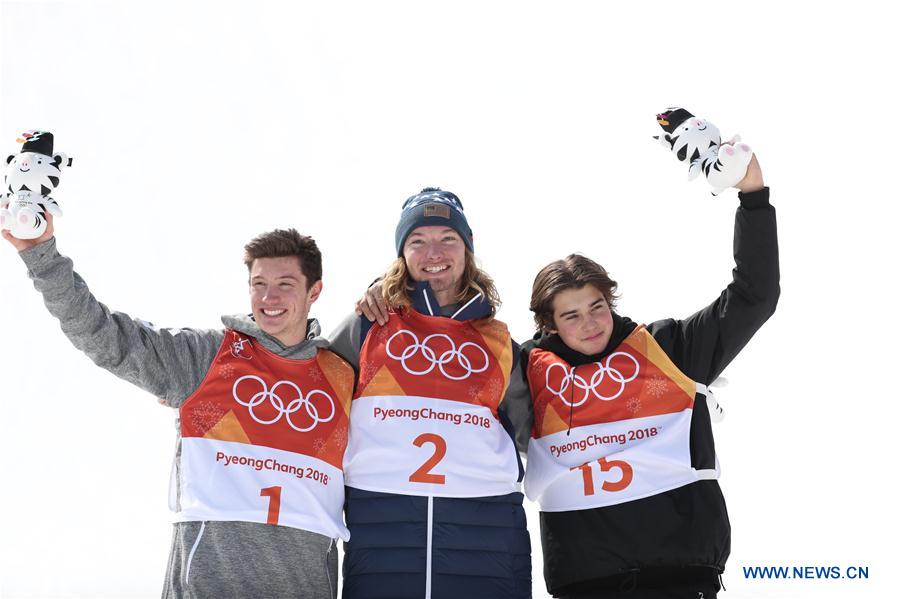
column 307, row 348
column 622, row 326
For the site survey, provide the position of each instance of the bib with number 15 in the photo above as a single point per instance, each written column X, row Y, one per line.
column 611, row 431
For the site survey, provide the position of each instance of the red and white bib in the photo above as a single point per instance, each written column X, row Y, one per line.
column 263, row 439
column 611, row 431
column 424, row 419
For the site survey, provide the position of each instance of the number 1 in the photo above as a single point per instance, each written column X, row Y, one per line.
column 274, row 503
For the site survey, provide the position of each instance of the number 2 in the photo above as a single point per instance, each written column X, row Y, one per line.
column 423, row 474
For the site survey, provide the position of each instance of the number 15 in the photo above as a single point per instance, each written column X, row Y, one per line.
column 627, row 475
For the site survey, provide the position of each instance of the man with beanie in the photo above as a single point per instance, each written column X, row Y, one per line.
column 432, row 469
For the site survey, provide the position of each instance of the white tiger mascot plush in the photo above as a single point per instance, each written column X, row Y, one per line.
column 30, row 177
column 698, row 142
column 723, row 166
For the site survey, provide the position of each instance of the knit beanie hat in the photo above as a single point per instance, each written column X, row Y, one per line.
column 433, row 207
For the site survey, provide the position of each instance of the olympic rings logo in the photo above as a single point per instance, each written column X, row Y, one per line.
column 451, row 355
column 301, row 401
column 569, row 378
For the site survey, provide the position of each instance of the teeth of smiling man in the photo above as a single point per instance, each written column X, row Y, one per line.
column 273, row 312
column 435, row 268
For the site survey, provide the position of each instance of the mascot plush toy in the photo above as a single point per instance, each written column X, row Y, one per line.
column 30, row 177
column 698, row 142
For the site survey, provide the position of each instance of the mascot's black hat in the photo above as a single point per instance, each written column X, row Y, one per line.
column 672, row 118
column 39, row 142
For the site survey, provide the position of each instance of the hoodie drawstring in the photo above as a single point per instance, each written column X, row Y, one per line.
column 570, row 402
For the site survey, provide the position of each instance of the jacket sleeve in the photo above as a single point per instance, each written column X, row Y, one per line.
column 515, row 411
column 705, row 343
column 169, row 363
column 346, row 339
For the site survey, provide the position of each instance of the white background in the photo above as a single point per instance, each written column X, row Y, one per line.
column 194, row 127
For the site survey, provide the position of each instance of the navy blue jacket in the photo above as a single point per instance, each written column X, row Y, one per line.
column 401, row 546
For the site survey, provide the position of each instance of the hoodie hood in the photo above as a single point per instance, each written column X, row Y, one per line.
column 303, row 350
column 622, row 326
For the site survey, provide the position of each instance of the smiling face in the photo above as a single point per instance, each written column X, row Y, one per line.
column 35, row 172
column 694, row 137
column 437, row 255
column 280, row 298
column 582, row 319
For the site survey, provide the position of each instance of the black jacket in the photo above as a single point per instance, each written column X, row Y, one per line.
column 683, row 532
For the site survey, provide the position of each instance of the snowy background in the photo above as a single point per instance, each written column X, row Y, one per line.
column 196, row 126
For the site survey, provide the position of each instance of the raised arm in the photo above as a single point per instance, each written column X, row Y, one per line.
column 705, row 343
column 169, row 363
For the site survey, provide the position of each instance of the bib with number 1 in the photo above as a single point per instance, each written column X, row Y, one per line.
column 611, row 431
column 263, row 439
column 425, row 416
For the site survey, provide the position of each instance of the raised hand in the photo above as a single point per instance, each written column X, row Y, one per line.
column 24, row 244
column 753, row 180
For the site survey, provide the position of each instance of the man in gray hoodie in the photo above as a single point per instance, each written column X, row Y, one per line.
column 262, row 417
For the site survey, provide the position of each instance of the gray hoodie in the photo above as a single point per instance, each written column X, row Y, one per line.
column 207, row 559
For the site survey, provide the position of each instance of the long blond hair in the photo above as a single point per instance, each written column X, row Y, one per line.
column 397, row 284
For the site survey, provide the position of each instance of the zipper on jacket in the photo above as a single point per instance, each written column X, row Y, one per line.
column 430, row 542
column 428, row 302
column 190, row 556
column 468, row 303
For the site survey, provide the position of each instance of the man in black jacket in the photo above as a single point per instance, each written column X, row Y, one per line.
column 621, row 458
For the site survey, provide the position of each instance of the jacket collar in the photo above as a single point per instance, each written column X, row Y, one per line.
column 246, row 325
column 425, row 302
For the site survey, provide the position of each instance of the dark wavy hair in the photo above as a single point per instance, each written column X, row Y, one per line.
column 281, row 243
column 572, row 272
